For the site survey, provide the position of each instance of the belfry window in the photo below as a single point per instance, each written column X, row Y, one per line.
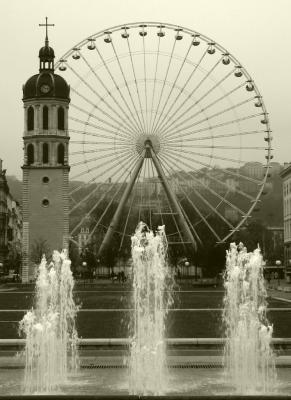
column 61, row 154
column 30, row 119
column 45, row 153
column 30, row 154
column 45, row 117
column 61, row 119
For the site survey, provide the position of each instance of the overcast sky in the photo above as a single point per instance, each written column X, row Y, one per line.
column 257, row 32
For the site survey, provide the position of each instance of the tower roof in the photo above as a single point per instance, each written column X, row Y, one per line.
column 55, row 86
column 46, row 83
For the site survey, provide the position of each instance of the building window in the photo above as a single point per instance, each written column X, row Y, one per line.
column 45, row 117
column 61, row 118
column 45, row 179
column 45, row 202
column 45, row 153
column 30, row 119
column 61, row 153
column 30, row 154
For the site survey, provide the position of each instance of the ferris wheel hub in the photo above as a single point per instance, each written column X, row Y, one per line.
column 148, row 140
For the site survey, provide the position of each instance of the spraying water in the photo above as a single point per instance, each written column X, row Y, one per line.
column 151, row 296
column 51, row 337
column 249, row 359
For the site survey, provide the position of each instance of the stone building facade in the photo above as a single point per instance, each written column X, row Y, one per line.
column 286, row 177
column 10, row 226
column 4, row 191
column 46, row 168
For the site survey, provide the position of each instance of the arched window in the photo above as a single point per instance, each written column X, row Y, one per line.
column 45, row 117
column 61, row 118
column 45, row 153
column 61, row 153
column 30, row 154
column 30, row 119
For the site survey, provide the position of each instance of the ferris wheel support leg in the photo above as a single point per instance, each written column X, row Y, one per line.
column 172, row 198
column 116, row 218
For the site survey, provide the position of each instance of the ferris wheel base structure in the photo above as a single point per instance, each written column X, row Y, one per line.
column 148, row 152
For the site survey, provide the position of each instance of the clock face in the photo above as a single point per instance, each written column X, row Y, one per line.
column 45, row 88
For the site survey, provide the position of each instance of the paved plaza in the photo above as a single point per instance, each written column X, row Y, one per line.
column 105, row 310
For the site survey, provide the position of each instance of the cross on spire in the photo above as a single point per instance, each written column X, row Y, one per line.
column 46, row 31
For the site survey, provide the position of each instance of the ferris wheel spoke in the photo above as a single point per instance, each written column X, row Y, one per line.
column 103, row 129
column 145, row 84
column 207, row 119
column 112, row 198
column 195, row 208
column 201, row 197
column 226, row 135
column 163, row 87
column 190, row 95
column 101, row 199
column 94, row 134
column 174, row 221
column 168, row 123
column 123, row 159
column 96, row 94
column 155, row 81
column 87, row 197
column 137, row 126
column 211, row 127
column 96, row 150
column 212, row 156
column 102, row 157
column 134, row 195
column 87, row 142
column 147, row 191
column 209, row 189
column 131, row 127
column 126, row 221
column 117, row 128
column 221, row 98
column 158, row 200
column 183, row 212
column 225, row 171
column 194, row 231
column 206, row 187
column 142, row 128
column 101, row 99
column 155, row 128
column 135, row 80
column 197, row 146
column 167, row 115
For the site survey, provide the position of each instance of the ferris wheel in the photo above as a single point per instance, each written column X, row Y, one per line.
column 166, row 126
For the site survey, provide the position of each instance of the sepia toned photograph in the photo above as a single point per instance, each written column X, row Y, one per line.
column 145, row 199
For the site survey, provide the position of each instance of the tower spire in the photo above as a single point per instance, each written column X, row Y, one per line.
column 46, row 30
column 46, row 53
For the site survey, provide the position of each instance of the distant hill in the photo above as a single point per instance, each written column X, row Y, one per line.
column 269, row 210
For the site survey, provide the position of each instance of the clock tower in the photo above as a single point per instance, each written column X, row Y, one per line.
column 46, row 168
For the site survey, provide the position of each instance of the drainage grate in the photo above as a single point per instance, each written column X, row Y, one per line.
column 101, row 366
column 204, row 366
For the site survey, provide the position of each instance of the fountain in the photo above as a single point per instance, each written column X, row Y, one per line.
column 248, row 356
column 49, row 328
column 151, row 298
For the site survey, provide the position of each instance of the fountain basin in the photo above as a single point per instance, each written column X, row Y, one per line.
column 194, row 371
column 112, row 382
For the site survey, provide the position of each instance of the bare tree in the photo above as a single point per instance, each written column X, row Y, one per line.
column 39, row 248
